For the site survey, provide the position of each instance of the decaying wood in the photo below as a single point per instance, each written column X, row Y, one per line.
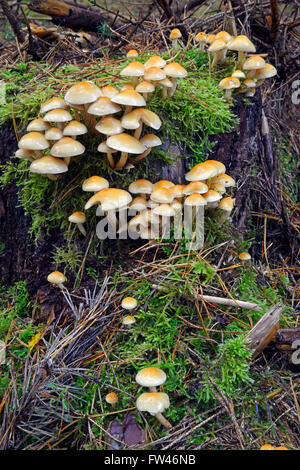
column 264, row 331
column 285, row 338
column 72, row 16
column 13, row 20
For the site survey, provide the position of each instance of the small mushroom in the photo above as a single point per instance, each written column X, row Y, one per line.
column 175, row 34
column 175, row 71
column 112, row 399
column 57, row 278
column 128, row 321
column 79, row 219
column 129, row 303
column 226, row 205
column 229, row 84
column 244, row 257
column 151, row 377
column 155, row 403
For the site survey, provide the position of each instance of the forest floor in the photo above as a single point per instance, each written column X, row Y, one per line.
column 65, row 350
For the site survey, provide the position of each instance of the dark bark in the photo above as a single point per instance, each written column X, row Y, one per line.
column 13, row 20
column 74, row 16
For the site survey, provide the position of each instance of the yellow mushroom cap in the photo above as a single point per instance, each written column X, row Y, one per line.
column 103, row 106
column 178, row 190
column 83, row 93
column 150, row 140
column 129, row 303
column 153, row 402
column 132, row 54
column 201, row 37
column 267, row 72
column 95, row 184
column 125, row 143
column 224, row 179
column 212, row 196
column 134, row 69
column 111, row 398
column 229, row 82
column 238, row 74
column 150, row 118
column 56, row 277
column 77, row 218
column 155, row 61
column 226, row 204
column 128, row 320
column 53, row 103
column 163, row 184
column 175, row 70
column 132, row 119
column 219, row 165
column 219, row 187
column 109, row 91
column 33, row 141
column 129, row 98
column 164, row 210
column 202, row 171
column 109, row 126
column 48, row 165
column 58, row 115
column 138, row 204
column 141, row 186
column 154, row 74
column 150, row 377
column 175, row 34
column 162, row 195
column 210, row 38
column 53, row 133
column 244, row 256
column 195, row 199
column 75, row 128
column 241, row 43
column 254, row 62
column 67, row 147
column 195, row 187
column 110, row 199
column 217, row 45
column 38, row 125
column 267, row 447
column 145, row 87
column 226, row 37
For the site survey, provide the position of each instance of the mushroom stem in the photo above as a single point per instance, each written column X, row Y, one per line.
column 173, row 89
column 112, row 218
column 81, row 229
column 38, row 153
column 122, row 162
column 142, row 155
column 224, row 216
column 67, row 160
column 174, row 44
column 164, row 92
column 241, row 57
column 228, row 94
column 110, row 159
column 52, row 177
column 127, row 110
column 163, row 421
column 138, row 131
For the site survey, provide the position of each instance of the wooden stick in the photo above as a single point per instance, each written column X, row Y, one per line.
column 264, row 331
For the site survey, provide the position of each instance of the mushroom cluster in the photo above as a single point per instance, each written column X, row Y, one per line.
column 153, row 402
column 155, row 206
column 250, row 69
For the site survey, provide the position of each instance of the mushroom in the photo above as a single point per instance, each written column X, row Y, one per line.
column 201, row 38
column 175, row 34
column 57, row 278
column 162, row 195
column 103, row 148
column 174, row 71
column 129, row 98
column 132, row 54
column 111, row 200
column 53, row 134
column 129, row 303
column 155, row 403
column 166, row 84
column 38, row 125
column 133, row 70
column 149, row 141
column 267, row 72
column 212, row 198
column 155, row 61
column 128, row 321
column 81, row 95
column 151, row 377
column 112, row 399
column 145, row 88
column 238, row 74
column 79, row 219
column 25, row 155
column 34, row 141
column 53, row 103
column 74, row 128
column 48, row 166
column 103, row 106
column 109, row 91
column 126, row 144
column 229, row 84
column 195, row 187
column 252, row 64
column 95, row 184
column 154, row 74
column 138, row 204
column 163, row 184
column 202, row 171
column 226, row 205
column 241, row 44
column 226, row 180
column 216, row 49
column 244, row 256
column 109, row 126
column 66, row 148
column 142, row 187
column 58, row 116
